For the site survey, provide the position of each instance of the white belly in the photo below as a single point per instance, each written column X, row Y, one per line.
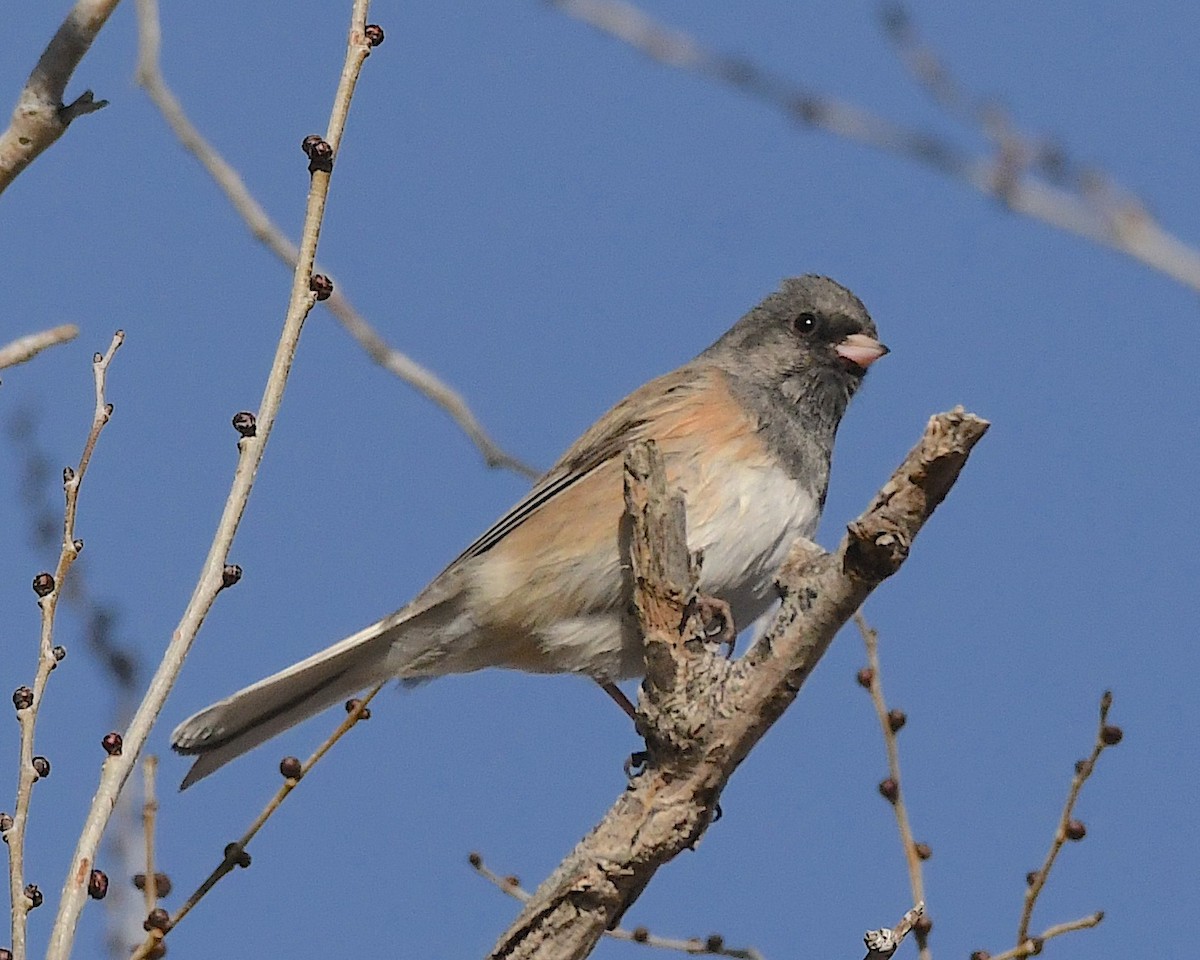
column 744, row 536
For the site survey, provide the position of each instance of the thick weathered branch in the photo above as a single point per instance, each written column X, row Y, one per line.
column 703, row 714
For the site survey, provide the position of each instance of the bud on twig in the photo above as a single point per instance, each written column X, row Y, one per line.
column 290, row 767
column 98, row 885
column 41, row 766
column 162, row 883
column 157, row 919
column 112, row 744
column 321, row 285
column 865, row 677
column 889, row 789
column 373, row 33
column 319, row 153
column 43, row 584
column 22, row 698
column 245, row 423
column 237, row 855
column 230, row 575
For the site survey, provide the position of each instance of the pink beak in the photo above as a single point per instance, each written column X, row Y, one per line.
column 860, row 349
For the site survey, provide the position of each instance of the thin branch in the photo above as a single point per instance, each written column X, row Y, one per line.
column 40, row 117
column 29, row 701
column 701, row 713
column 150, row 78
column 894, row 791
column 149, row 817
column 1033, row 945
column 215, row 575
column 1028, row 184
column 235, row 853
column 26, row 348
column 711, row 946
column 100, row 628
column 1068, row 828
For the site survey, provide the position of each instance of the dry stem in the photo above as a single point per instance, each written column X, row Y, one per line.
column 916, row 875
column 150, row 78
column 1027, row 182
column 1083, row 770
column 28, row 347
column 149, row 816
column 236, row 850
column 27, row 718
column 116, row 769
column 1033, row 945
column 40, row 117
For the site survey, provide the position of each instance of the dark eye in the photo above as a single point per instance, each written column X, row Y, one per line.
column 808, row 324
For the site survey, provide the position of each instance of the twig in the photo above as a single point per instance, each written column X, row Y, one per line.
column 893, row 791
column 881, row 944
column 701, row 713
column 120, row 665
column 26, row 348
column 713, row 946
column 215, row 575
column 149, row 816
column 1108, row 217
column 235, row 853
column 1068, row 828
column 150, row 78
column 1033, row 945
column 49, row 588
column 40, row 117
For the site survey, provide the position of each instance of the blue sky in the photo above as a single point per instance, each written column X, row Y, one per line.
column 547, row 220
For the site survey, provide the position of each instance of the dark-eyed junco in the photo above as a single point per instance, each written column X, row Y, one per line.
column 746, row 431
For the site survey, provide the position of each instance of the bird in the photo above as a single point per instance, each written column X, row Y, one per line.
column 746, row 431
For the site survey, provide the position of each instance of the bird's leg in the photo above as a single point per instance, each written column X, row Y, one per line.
column 620, row 700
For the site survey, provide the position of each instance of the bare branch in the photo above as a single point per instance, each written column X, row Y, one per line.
column 893, row 792
column 1091, row 207
column 1068, row 828
column 711, row 946
column 26, row 348
column 235, row 853
column 1033, row 945
column 28, row 701
column 214, row 574
column 149, row 819
column 703, row 714
column 150, row 78
column 40, row 117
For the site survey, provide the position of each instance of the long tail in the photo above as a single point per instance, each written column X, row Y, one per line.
column 239, row 723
